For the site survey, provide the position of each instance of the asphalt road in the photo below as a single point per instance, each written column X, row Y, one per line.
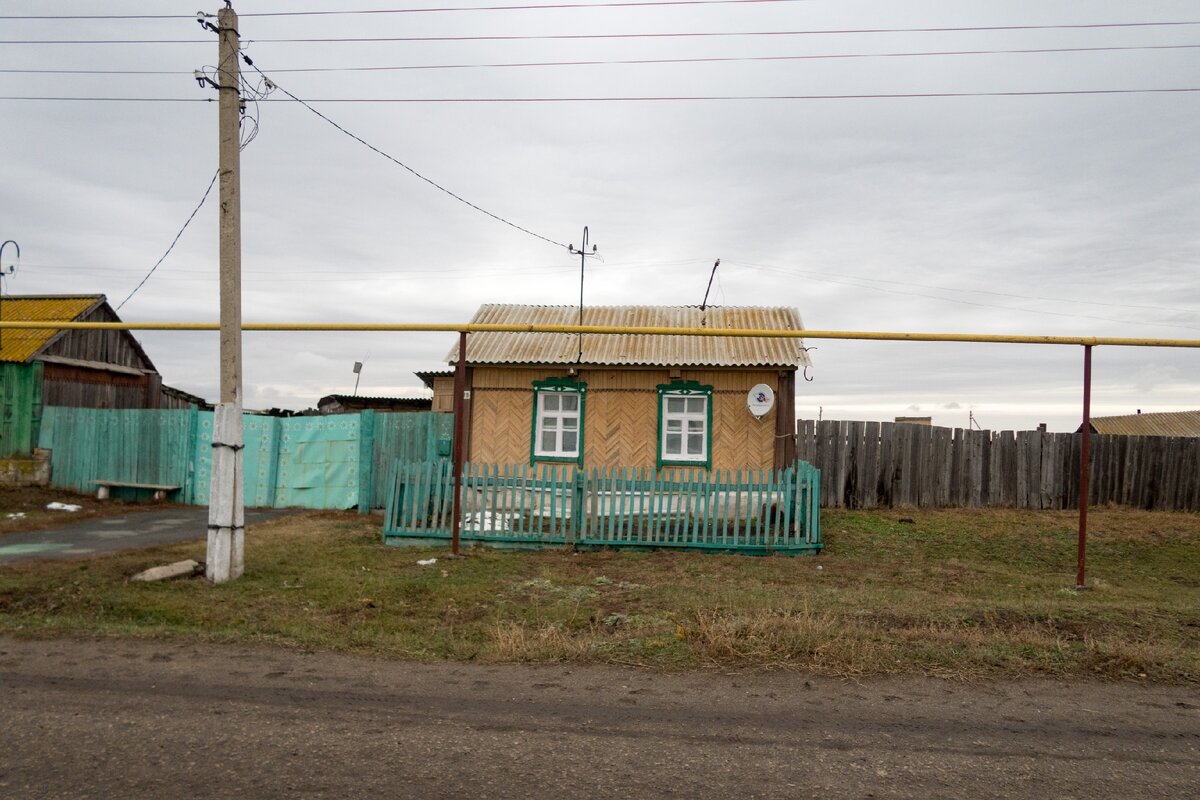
column 91, row 537
column 122, row 718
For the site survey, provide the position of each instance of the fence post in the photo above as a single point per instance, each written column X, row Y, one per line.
column 366, row 460
column 578, row 512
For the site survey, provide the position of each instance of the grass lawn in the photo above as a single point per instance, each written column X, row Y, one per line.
column 956, row 593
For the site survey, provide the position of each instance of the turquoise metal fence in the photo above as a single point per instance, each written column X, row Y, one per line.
column 135, row 445
column 311, row 462
column 411, row 438
column 729, row 510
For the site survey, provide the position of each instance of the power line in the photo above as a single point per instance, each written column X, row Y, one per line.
column 813, row 273
column 970, row 302
column 119, row 99
column 555, row 6
column 532, row 7
column 400, row 163
column 174, row 241
column 633, row 61
column 667, row 35
column 630, row 99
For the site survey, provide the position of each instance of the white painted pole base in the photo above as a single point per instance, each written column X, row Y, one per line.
column 225, row 558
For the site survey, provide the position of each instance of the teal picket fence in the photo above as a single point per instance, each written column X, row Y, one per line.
column 747, row 511
column 334, row 461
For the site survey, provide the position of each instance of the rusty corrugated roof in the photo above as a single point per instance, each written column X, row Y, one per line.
column 1167, row 423
column 636, row 349
column 22, row 345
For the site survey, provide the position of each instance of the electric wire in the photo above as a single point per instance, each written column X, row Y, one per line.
column 247, row 133
column 423, row 10
column 174, row 241
column 601, row 36
column 618, row 99
column 633, row 61
column 942, row 288
column 976, row 304
column 400, row 163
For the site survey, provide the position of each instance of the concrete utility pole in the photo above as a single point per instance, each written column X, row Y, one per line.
column 226, row 505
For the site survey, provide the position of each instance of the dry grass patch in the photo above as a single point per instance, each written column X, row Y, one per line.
column 956, row 593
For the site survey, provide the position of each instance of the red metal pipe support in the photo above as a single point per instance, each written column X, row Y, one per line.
column 460, row 427
column 1084, row 485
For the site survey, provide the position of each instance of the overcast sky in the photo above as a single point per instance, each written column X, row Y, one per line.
column 1065, row 214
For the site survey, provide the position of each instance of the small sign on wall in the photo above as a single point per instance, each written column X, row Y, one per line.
column 760, row 400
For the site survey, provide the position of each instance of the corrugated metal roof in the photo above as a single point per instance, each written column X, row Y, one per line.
column 636, row 349
column 1167, row 423
column 22, row 345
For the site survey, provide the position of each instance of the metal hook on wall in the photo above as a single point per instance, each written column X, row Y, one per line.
column 806, row 366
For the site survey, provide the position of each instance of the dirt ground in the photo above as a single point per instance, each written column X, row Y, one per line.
column 128, row 717
column 23, row 508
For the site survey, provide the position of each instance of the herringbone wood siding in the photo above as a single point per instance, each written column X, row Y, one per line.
column 620, row 417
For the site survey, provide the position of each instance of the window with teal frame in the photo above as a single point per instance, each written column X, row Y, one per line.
column 685, row 424
column 556, row 433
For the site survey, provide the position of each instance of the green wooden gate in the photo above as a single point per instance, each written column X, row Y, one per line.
column 20, row 408
column 745, row 511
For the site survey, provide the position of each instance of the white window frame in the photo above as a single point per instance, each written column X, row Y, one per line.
column 559, row 416
column 684, row 418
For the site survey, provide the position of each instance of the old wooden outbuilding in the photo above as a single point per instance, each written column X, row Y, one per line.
column 642, row 401
column 80, row 368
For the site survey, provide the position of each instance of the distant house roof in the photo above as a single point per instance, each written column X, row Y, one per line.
column 636, row 349
column 427, row 376
column 22, row 345
column 186, row 398
column 343, row 403
column 1168, row 423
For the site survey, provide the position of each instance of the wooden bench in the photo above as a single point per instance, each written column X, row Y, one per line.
column 160, row 490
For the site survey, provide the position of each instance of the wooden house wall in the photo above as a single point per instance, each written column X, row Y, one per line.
column 102, row 346
column 620, row 417
column 79, row 387
column 443, row 394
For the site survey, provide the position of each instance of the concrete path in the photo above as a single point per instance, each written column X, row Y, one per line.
column 110, row 534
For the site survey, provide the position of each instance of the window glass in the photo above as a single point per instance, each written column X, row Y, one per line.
column 684, row 428
column 557, row 423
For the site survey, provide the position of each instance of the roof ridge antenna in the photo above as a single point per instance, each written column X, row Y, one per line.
column 583, row 253
column 704, row 302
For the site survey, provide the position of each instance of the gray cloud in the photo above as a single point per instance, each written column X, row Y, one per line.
column 1066, row 215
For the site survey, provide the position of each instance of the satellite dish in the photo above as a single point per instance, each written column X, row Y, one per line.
column 760, row 400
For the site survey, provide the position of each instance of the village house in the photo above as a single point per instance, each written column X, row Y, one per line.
column 643, row 401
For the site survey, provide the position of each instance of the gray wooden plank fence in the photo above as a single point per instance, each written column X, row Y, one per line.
column 885, row 464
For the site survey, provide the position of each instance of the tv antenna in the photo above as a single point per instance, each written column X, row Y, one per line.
column 8, row 271
column 583, row 254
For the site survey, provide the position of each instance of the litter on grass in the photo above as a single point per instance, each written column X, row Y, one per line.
column 427, row 562
column 62, row 507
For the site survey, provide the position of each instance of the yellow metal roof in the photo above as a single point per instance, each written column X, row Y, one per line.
column 21, row 345
column 1167, row 423
column 636, row 349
